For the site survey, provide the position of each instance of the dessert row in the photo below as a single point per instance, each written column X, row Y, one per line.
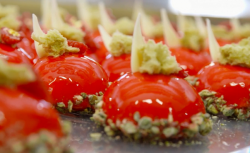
column 144, row 78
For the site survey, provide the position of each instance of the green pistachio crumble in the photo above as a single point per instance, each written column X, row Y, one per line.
column 192, row 80
column 193, row 40
column 144, row 127
column 236, row 54
column 54, row 43
column 42, row 141
column 72, row 33
column 8, row 10
column 120, row 44
column 124, row 25
column 15, row 74
column 96, row 136
column 156, row 59
column 216, row 105
column 221, row 32
column 10, row 21
column 93, row 100
column 245, row 30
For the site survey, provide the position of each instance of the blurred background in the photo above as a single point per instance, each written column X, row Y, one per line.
column 205, row 8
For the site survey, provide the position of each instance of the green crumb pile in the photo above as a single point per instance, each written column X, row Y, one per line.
column 120, row 44
column 193, row 40
column 10, row 21
column 94, row 16
column 221, row 32
column 15, row 74
column 54, row 43
column 8, row 17
column 8, row 10
column 158, row 30
column 72, row 33
column 156, row 59
column 236, row 54
column 245, row 30
column 124, row 25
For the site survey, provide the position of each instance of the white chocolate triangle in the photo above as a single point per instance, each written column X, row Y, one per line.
column 213, row 44
column 147, row 25
column 83, row 12
column 200, row 25
column 106, row 21
column 137, row 9
column 137, row 43
column 46, row 13
column 170, row 35
column 56, row 19
column 106, row 38
column 181, row 20
column 38, row 31
column 235, row 23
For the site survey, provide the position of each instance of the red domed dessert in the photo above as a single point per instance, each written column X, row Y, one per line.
column 74, row 81
column 27, row 121
column 224, row 85
column 188, row 50
column 153, row 102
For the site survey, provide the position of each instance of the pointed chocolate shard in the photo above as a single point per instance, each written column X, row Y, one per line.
column 170, row 35
column 138, row 42
column 105, row 37
column 56, row 19
column 213, row 44
column 106, row 21
column 38, row 31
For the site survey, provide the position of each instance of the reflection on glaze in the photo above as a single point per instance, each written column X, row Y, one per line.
column 232, row 82
column 115, row 67
column 70, row 75
column 152, row 96
column 191, row 61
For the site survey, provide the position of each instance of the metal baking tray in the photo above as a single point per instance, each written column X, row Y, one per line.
column 228, row 135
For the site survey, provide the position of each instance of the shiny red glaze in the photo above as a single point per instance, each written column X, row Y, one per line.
column 191, row 61
column 153, row 96
column 29, row 48
column 97, row 50
column 223, row 42
column 159, row 39
column 23, row 114
column 82, row 47
column 115, row 67
column 70, row 75
column 13, row 54
column 233, row 82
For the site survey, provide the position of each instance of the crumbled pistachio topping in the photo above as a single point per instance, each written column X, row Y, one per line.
column 42, row 141
column 94, row 16
column 156, row 59
column 72, row 33
column 10, row 21
column 92, row 99
column 124, row 25
column 221, row 32
column 143, row 127
column 236, row 54
column 216, row 105
column 192, row 80
column 15, row 74
column 193, row 40
column 54, row 43
column 8, row 10
column 158, row 30
column 245, row 30
column 120, row 44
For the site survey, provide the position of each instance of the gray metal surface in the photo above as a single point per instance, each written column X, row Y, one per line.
column 228, row 135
